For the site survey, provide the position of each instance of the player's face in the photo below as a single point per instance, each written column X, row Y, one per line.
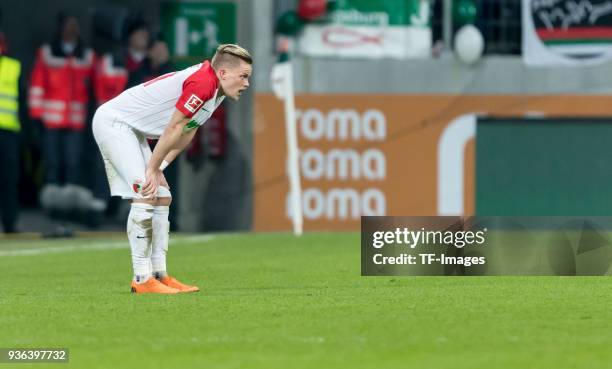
column 235, row 80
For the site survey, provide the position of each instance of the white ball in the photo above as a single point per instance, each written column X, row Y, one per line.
column 469, row 44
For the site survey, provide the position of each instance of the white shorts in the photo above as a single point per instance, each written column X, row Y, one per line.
column 126, row 153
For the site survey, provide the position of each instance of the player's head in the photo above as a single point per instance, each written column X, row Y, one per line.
column 233, row 66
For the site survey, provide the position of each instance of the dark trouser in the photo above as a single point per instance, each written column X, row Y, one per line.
column 171, row 174
column 63, row 149
column 9, row 176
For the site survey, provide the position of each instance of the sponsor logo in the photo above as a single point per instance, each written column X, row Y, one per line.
column 579, row 30
column 342, row 125
column 339, row 203
column 193, row 103
column 322, row 166
column 191, row 125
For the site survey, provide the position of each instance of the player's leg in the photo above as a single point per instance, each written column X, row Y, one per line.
column 161, row 234
column 140, row 235
column 125, row 167
column 139, row 231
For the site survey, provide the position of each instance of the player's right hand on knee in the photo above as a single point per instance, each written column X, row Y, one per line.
column 149, row 189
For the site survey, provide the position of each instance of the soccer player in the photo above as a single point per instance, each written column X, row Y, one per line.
column 171, row 108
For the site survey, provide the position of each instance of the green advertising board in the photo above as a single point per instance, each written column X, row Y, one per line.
column 381, row 13
column 369, row 29
column 194, row 29
column 540, row 167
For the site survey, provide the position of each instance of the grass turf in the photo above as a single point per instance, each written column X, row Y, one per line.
column 275, row 301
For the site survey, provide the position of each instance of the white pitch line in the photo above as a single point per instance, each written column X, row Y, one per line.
column 98, row 246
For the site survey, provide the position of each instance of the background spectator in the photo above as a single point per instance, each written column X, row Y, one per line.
column 58, row 97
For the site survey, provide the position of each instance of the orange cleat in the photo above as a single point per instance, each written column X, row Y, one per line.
column 173, row 283
column 152, row 285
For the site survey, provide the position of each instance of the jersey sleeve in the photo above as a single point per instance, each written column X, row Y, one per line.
column 195, row 94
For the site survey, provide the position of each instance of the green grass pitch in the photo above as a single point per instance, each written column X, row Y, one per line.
column 274, row 301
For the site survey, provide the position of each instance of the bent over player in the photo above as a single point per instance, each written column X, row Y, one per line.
column 171, row 108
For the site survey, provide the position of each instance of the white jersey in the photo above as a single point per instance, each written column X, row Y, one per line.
column 148, row 107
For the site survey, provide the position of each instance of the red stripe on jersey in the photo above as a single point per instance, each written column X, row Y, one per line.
column 163, row 76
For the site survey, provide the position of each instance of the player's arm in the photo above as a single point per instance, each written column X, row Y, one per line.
column 183, row 143
column 174, row 139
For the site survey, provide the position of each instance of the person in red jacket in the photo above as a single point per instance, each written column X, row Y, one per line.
column 58, row 97
column 115, row 69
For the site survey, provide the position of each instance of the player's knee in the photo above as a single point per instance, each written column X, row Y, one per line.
column 163, row 201
column 164, row 197
column 152, row 202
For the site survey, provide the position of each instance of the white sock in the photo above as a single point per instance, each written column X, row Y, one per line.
column 161, row 235
column 140, row 230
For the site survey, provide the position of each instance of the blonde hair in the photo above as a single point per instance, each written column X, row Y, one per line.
column 228, row 54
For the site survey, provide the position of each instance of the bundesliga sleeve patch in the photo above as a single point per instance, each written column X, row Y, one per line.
column 193, row 103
